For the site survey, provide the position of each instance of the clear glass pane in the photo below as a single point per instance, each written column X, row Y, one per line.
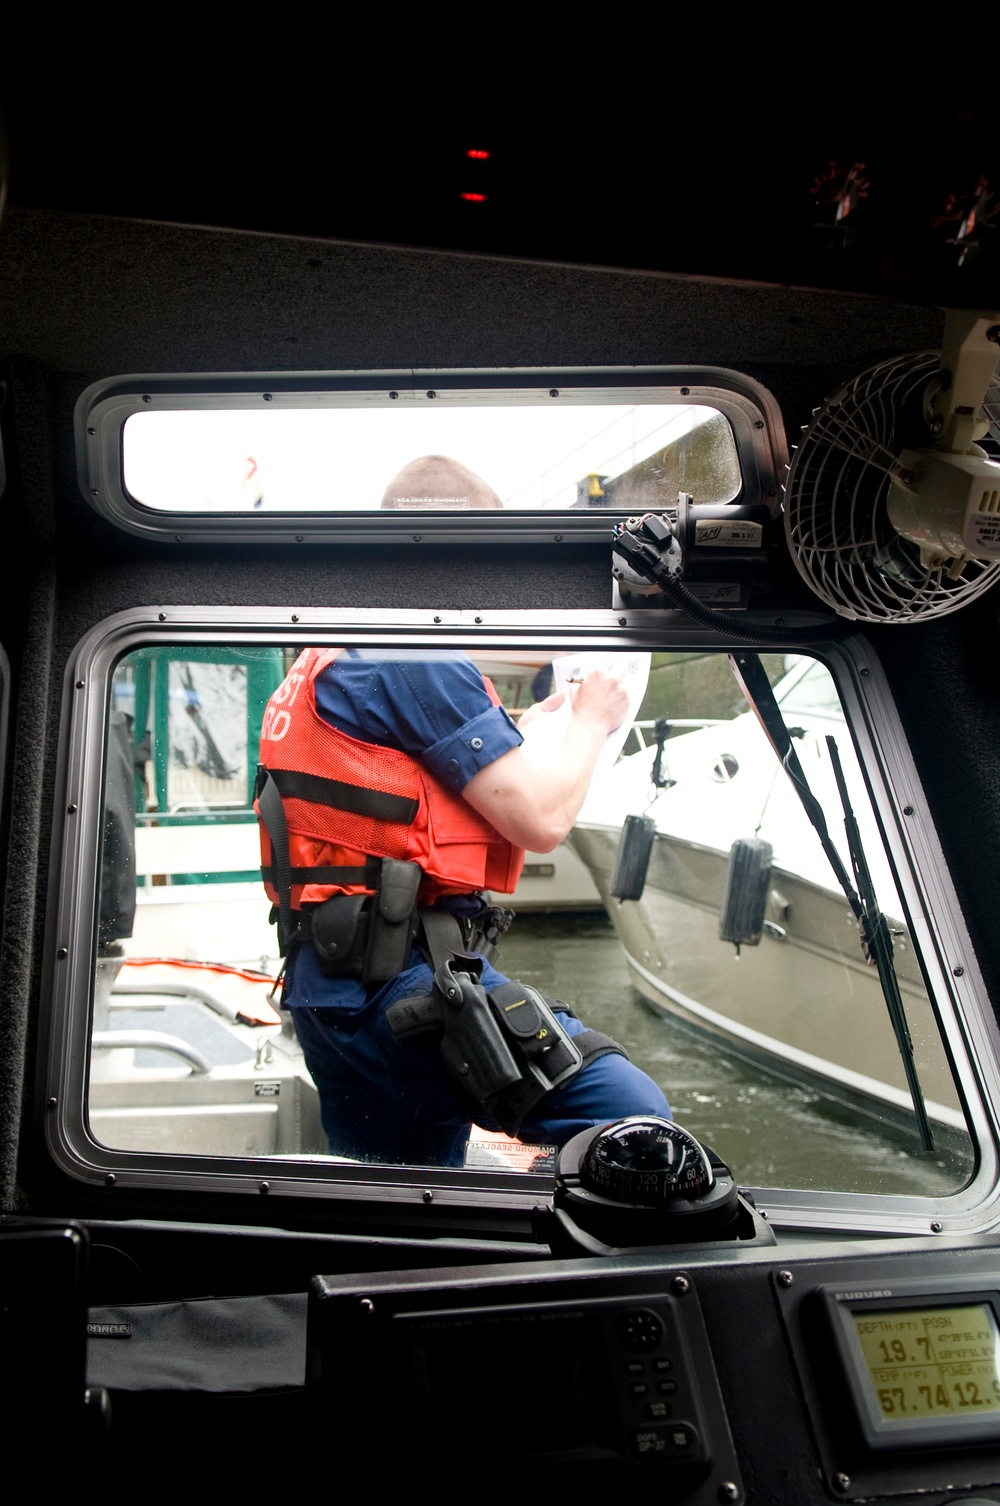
column 435, row 456
column 779, row 1054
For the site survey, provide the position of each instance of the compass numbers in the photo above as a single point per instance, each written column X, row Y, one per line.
column 646, row 1161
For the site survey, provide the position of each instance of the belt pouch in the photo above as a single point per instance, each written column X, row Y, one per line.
column 393, row 921
column 339, row 932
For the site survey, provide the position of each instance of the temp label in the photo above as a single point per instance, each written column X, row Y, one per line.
column 729, row 535
column 267, row 1090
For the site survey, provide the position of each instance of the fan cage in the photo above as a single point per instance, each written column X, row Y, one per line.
column 836, row 518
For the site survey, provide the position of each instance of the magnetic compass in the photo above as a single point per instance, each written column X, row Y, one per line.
column 641, row 1181
column 647, row 1161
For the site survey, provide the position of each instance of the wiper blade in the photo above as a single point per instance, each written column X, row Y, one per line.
column 756, row 687
column 878, row 944
column 874, row 930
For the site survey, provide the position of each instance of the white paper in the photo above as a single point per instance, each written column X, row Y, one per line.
column 544, row 735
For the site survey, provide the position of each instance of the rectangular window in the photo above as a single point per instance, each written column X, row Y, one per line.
column 470, row 451
column 733, row 975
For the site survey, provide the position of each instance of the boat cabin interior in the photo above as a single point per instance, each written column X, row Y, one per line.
column 725, row 432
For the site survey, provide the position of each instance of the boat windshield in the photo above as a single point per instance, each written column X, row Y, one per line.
column 727, row 962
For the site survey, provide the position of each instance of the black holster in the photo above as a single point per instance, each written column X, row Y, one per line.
column 506, row 1049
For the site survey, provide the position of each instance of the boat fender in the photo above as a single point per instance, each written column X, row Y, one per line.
column 632, row 858
column 505, row 1049
column 744, row 899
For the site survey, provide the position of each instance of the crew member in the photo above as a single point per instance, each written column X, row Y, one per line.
column 407, row 756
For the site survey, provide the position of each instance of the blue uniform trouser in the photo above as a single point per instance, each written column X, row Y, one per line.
column 390, row 1100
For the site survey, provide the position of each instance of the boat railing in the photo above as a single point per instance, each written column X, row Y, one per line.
column 674, row 723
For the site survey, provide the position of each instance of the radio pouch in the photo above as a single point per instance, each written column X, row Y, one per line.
column 392, row 921
column 505, row 1049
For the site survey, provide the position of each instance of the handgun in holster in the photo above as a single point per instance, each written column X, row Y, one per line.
column 506, row 1049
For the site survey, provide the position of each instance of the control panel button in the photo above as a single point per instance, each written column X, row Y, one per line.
column 638, row 1388
column 656, row 1411
column 640, row 1330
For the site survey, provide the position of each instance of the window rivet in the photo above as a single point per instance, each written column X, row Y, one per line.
column 936, row 1226
column 268, row 397
column 958, row 971
column 417, row 537
column 479, row 619
column 52, row 1103
column 427, row 1195
column 300, row 538
column 71, row 810
column 432, row 394
column 393, row 394
column 437, row 619
column 295, row 616
column 841, row 1481
column 623, row 622
column 163, row 617
column 178, row 538
column 91, row 431
column 366, row 1304
column 907, row 810
column 685, row 392
column 264, row 1187
column 110, row 1179
column 63, row 952
column 785, row 1278
column 79, row 684
column 94, row 492
column 758, row 423
column 553, row 392
column 558, row 538
column 146, row 397
column 863, row 671
column 681, row 1285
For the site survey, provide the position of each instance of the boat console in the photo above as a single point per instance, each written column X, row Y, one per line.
column 735, row 1375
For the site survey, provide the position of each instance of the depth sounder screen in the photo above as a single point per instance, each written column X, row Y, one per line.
column 931, row 1362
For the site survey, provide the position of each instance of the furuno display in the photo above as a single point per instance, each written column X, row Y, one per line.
column 902, row 1377
column 920, row 1373
column 529, row 1369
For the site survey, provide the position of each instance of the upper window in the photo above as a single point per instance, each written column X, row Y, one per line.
column 472, row 452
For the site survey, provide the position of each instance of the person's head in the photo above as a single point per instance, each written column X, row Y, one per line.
column 437, row 481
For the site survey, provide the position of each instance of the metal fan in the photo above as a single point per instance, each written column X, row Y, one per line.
column 892, row 510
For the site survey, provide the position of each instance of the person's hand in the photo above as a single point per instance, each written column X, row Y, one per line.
column 539, row 708
column 601, row 698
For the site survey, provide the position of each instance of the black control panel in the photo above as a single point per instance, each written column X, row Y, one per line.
column 621, row 1376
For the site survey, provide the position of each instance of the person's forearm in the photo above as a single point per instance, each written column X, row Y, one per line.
column 534, row 804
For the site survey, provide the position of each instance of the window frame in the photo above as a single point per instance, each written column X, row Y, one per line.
column 103, row 409
column 967, row 1023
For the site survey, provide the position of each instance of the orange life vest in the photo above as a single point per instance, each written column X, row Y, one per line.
column 347, row 801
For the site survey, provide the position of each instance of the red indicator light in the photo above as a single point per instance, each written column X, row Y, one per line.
column 479, row 155
column 475, row 198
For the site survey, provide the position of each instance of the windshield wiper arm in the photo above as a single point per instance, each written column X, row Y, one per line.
column 875, row 938
column 877, row 942
column 752, row 679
